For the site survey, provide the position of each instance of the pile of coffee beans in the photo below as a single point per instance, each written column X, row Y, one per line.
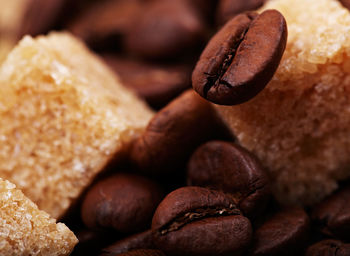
column 184, row 186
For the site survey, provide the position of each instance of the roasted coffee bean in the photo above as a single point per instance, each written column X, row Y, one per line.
column 142, row 252
column 173, row 133
column 229, row 8
column 138, row 241
column 198, row 221
column 333, row 215
column 124, row 202
column 91, row 242
column 40, row 16
column 329, row 248
column 203, row 7
column 103, row 25
column 241, row 58
column 285, row 233
column 231, row 169
column 157, row 84
column 166, row 29
column 345, row 3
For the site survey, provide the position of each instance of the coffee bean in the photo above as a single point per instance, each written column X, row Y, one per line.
column 91, row 242
column 345, row 3
column 333, row 214
column 173, row 133
column 124, row 202
column 229, row 8
column 204, row 7
column 166, row 29
column 329, row 248
column 138, row 241
column 40, row 16
column 157, row 84
column 285, row 233
column 103, row 25
column 142, row 252
column 199, row 221
column 241, row 58
column 231, row 169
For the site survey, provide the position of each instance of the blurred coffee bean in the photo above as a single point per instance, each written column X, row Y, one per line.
column 91, row 242
column 157, row 84
column 124, row 202
column 103, row 25
column 198, row 221
column 241, row 58
column 332, row 215
column 204, row 7
column 173, row 133
column 231, row 169
column 345, row 3
column 40, row 16
column 166, row 29
column 329, row 248
column 227, row 9
column 138, row 241
column 143, row 252
column 285, row 233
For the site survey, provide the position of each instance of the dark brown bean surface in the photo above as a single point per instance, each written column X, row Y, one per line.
column 328, row 248
column 229, row 8
column 204, row 7
column 199, row 221
column 142, row 252
column 285, row 233
column 173, row 133
column 124, row 202
column 138, row 241
column 165, row 29
column 241, row 58
column 232, row 169
column 157, row 84
column 333, row 215
column 40, row 16
column 91, row 242
column 345, row 3
column 103, row 25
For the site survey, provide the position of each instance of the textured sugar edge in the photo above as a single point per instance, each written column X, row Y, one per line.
column 60, row 237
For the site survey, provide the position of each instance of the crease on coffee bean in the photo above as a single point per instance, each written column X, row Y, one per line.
column 198, row 214
column 215, row 79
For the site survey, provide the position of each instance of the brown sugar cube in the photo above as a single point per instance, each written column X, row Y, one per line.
column 299, row 125
column 26, row 230
column 63, row 116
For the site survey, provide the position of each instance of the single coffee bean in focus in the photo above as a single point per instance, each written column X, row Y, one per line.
column 328, row 247
column 232, row 169
column 241, row 58
column 332, row 215
column 198, row 221
column 285, row 233
column 124, row 202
